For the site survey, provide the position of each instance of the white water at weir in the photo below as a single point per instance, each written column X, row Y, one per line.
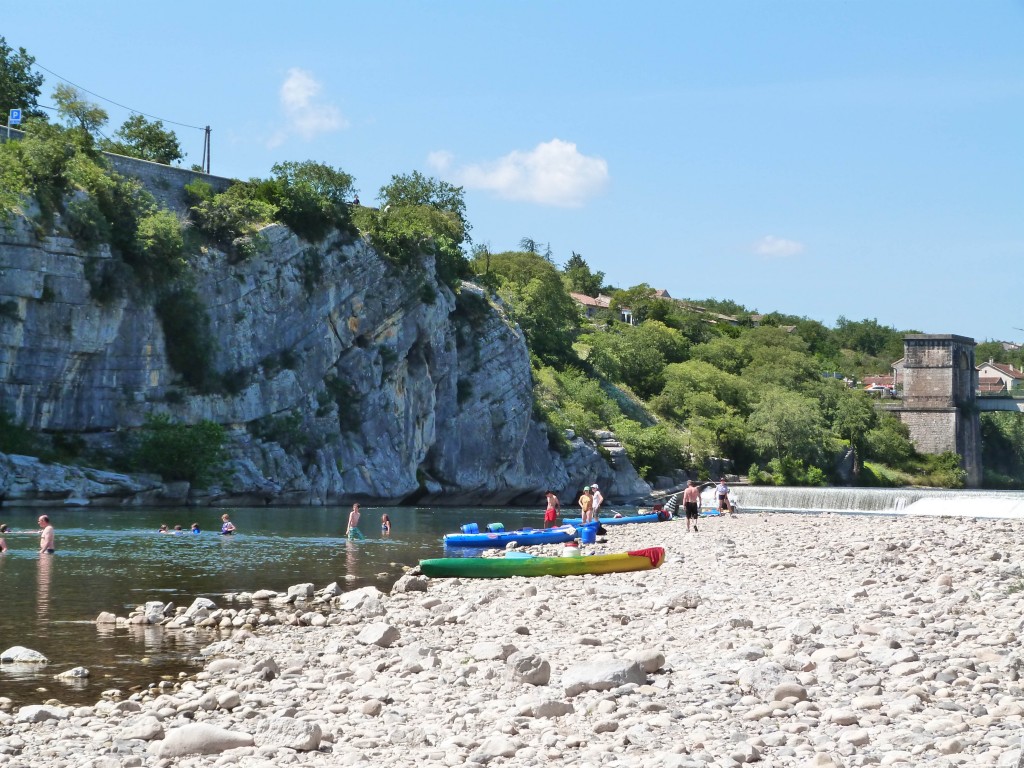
column 885, row 501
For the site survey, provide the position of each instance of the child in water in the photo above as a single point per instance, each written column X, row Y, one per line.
column 195, row 528
column 385, row 524
column 163, row 528
column 3, row 541
column 227, row 528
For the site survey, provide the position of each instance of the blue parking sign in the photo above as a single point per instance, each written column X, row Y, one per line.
column 15, row 118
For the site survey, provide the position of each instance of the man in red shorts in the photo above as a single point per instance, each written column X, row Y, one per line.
column 552, row 511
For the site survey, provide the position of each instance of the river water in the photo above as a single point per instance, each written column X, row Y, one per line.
column 114, row 559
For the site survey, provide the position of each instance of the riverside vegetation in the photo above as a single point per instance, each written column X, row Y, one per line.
column 685, row 382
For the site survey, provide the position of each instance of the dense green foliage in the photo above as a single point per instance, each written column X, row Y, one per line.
column 419, row 217
column 1002, row 443
column 19, row 84
column 194, row 453
column 138, row 137
column 689, row 380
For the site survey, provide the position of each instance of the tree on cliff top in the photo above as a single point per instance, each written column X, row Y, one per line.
column 77, row 111
column 138, row 137
column 19, row 85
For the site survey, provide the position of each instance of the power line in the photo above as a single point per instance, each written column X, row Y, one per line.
column 116, row 104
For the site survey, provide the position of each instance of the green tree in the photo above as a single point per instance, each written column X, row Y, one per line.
column 78, row 112
column 536, row 298
column 19, row 84
column 889, row 442
column 786, row 423
column 176, row 451
column 854, row 416
column 311, row 198
column 138, row 137
column 580, row 278
column 416, row 189
column 869, row 337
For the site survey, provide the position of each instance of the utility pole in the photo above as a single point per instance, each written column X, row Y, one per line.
column 206, row 151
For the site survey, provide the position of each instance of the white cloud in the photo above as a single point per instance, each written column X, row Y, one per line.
column 303, row 112
column 777, row 247
column 440, row 160
column 552, row 173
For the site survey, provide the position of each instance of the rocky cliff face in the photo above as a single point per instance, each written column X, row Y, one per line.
column 343, row 377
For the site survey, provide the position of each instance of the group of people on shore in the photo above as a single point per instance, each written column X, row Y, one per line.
column 591, row 501
column 47, row 537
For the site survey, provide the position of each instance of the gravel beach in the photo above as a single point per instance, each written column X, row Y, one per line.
column 785, row 640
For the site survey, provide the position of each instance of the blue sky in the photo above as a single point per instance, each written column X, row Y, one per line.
column 820, row 158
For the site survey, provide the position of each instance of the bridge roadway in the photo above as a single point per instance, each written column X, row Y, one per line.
column 1004, row 403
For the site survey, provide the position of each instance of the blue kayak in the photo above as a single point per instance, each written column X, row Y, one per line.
column 652, row 517
column 523, row 537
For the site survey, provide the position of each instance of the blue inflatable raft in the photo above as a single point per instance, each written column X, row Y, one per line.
column 652, row 517
column 523, row 537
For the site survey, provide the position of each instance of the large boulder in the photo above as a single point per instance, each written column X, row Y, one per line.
column 199, row 739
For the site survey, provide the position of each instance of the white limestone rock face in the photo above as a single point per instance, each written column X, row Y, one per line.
column 404, row 385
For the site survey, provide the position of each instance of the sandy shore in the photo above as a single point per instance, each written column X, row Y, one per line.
column 784, row 641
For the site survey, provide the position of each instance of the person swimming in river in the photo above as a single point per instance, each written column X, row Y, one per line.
column 227, row 528
column 385, row 524
column 3, row 542
column 353, row 531
column 163, row 528
column 195, row 528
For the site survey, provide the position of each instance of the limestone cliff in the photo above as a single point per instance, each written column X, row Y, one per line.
column 346, row 378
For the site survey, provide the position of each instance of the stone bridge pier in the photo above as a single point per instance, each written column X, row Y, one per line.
column 939, row 384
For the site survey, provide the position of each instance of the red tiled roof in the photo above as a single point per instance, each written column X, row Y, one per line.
column 1006, row 370
column 991, row 384
column 601, row 302
column 882, row 381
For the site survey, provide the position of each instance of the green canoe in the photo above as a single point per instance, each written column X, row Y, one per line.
column 501, row 567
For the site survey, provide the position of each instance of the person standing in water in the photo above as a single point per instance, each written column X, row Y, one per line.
column 353, row 531
column 553, row 510
column 3, row 542
column 46, row 536
column 385, row 524
column 227, row 528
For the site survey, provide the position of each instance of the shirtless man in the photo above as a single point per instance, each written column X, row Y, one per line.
column 691, row 503
column 552, row 511
column 46, row 545
column 353, row 531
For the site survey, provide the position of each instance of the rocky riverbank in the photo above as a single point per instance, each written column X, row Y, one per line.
column 781, row 641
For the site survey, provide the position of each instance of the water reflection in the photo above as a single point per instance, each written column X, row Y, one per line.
column 43, row 573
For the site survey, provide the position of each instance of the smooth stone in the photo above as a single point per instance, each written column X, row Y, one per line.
column 198, row 739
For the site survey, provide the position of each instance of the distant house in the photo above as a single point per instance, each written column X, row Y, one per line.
column 592, row 305
column 1009, row 346
column 661, row 293
column 998, row 377
column 897, row 373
